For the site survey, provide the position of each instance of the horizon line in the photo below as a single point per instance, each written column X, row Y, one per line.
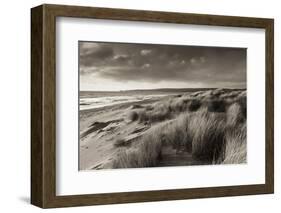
column 163, row 88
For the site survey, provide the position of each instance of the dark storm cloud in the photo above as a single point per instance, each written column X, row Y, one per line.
column 156, row 63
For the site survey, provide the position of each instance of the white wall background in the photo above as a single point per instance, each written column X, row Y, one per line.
column 15, row 105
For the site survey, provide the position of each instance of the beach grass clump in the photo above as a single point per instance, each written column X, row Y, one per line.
column 127, row 159
column 207, row 130
column 178, row 105
column 235, row 115
column 142, row 116
column 155, row 114
column 146, row 154
column 159, row 114
column 216, row 105
column 165, row 110
column 242, row 101
column 133, row 115
column 235, row 151
column 194, row 105
column 151, row 147
column 177, row 134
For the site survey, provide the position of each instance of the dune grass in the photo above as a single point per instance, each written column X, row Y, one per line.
column 207, row 130
column 235, row 151
column 146, row 155
column 177, row 135
column 194, row 105
column 212, row 129
column 235, row 115
column 217, row 105
column 133, row 116
column 164, row 111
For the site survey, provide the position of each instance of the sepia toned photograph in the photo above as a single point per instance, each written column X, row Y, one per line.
column 156, row 105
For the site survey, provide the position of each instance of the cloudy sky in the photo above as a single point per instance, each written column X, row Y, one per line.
column 120, row 66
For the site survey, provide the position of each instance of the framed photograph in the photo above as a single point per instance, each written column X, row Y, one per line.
column 136, row 106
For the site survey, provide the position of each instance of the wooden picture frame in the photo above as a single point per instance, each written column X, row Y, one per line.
column 43, row 105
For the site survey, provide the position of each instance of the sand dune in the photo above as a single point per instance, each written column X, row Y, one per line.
column 111, row 133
